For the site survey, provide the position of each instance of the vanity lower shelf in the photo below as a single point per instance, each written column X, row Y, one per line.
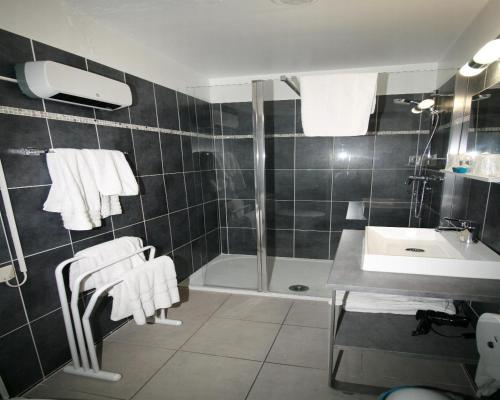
column 392, row 333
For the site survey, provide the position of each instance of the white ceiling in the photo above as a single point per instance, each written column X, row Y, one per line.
column 224, row 38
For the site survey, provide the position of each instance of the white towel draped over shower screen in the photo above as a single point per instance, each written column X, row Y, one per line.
column 337, row 104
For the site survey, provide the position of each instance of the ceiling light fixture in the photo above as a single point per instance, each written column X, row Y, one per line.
column 486, row 55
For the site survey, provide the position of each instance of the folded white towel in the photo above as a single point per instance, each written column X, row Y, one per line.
column 73, row 193
column 146, row 288
column 112, row 172
column 337, row 104
column 391, row 304
column 103, row 254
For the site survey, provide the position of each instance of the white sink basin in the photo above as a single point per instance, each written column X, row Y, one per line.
column 427, row 252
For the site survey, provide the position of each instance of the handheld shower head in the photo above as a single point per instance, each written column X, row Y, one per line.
column 418, row 106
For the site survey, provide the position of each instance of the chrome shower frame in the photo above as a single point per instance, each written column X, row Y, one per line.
column 259, row 154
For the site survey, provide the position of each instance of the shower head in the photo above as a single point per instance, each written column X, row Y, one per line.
column 418, row 106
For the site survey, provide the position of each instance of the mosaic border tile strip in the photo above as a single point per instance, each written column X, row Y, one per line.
column 24, row 112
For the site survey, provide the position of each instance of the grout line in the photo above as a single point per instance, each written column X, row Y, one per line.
column 179, row 349
column 294, row 200
column 331, row 205
column 371, row 182
column 269, row 351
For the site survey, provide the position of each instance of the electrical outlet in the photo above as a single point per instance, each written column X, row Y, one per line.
column 7, row 273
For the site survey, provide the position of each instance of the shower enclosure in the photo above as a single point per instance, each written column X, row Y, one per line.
column 269, row 242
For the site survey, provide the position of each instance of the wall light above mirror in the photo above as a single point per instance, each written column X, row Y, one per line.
column 486, row 55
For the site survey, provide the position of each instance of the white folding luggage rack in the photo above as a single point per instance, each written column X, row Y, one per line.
column 79, row 330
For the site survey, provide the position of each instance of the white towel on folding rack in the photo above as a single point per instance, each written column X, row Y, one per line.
column 337, row 104
column 146, row 288
column 103, row 254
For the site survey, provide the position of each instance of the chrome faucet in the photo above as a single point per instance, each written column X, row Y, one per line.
column 468, row 230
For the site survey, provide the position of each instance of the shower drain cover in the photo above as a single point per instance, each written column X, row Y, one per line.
column 415, row 250
column 298, row 288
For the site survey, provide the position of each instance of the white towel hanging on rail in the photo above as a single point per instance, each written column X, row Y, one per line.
column 337, row 104
column 86, row 185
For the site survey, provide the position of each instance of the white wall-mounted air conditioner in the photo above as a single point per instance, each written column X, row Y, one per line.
column 54, row 81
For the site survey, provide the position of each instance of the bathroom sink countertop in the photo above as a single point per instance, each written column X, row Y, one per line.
column 347, row 275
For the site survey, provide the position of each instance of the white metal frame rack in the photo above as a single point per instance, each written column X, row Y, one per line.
column 78, row 328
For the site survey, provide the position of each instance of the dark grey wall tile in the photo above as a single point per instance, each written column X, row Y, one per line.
column 142, row 110
column 73, row 135
column 310, row 244
column 158, row 232
column 241, row 213
column 213, row 244
column 312, row 215
column 180, row 228
column 313, row 184
column 14, row 49
column 396, row 117
column 131, row 212
column 154, row 201
column 12, row 312
column 298, row 117
column 38, row 230
column 137, row 230
column 166, row 103
column 199, row 249
column 352, row 185
column 187, row 154
column 18, row 133
column 280, row 243
column 147, row 152
column 183, row 262
column 394, row 151
column 491, row 232
column 172, row 153
column 93, row 241
column 184, row 116
column 390, row 185
column 25, row 371
column 193, row 188
column 313, row 153
column 176, row 191
column 211, row 215
column 279, row 153
column 51, row 341
column 242, row 241
column 353, row 152
column 238, row 153
column 240, row 184
column 279, row 116
column 280, row 214
column 237, row 118
column 280, row 184
column 390, row 214
column 216, row 118
column 203, row 116
column 196, row 222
